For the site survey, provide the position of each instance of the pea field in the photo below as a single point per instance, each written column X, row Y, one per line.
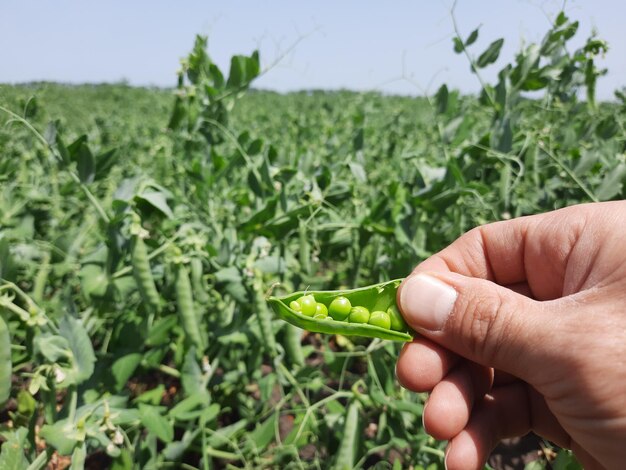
column 142, row 230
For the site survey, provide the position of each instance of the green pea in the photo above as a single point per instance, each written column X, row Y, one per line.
column 359, row 315
column 321, row 310
column 340, row 308
column 295, row 305
column 397, row 321
column 381, row 319
column 308, row 305
column 320, row 316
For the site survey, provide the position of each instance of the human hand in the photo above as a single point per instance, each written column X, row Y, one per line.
column 523, row 328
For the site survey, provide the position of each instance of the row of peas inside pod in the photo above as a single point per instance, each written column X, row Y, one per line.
column 341, row 309
column 367, row 311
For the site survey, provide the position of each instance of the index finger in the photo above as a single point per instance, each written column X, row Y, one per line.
column 532, row 251
column 494, row 252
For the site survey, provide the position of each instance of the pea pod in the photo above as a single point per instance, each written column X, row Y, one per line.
column 293, row 346
column 186, row 309
column 263, row 314
column 199, row 290
column 143, row 274
column 5, row 362
column 350, row 439
column 377, row 297
column 41, row 278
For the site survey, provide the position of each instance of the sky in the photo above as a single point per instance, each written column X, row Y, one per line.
column 394, row 46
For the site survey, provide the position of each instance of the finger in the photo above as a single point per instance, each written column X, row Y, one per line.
column 509, row 411
column 450, row 403
column 532, row 250
column 423, row 364
column 586, row 459
column 481, row 321
column 495, row 417
column 542, row 420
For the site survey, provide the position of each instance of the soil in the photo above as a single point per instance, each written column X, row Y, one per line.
column 516, row 453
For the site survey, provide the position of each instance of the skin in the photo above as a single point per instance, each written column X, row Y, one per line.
column 535, row 341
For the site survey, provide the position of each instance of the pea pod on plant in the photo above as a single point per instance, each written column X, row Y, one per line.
column 199, row 290
column 143, row 274
column 375, row 298
column 263, row 314
column 186, row 309
column 350, row 439
column 292, row 344
column 6, row 366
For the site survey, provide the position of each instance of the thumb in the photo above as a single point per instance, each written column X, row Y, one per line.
column 478, row 319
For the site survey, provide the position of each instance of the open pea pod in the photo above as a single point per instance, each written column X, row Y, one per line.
column 377, row 297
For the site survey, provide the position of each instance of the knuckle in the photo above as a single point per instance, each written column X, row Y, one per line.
column 486, row 324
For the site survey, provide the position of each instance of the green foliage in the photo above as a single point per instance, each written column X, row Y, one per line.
column 169, row 355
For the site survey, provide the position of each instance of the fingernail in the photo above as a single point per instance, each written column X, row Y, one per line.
column 426, row 302
column 423, row 413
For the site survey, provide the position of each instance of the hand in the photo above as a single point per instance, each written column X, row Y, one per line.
column 523, row 327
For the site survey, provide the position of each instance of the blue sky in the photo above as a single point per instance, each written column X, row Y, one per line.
column 359, row 45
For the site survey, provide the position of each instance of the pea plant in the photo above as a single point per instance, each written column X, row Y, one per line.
column 205, row 277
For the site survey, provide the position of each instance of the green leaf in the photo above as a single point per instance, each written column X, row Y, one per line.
column 178, row 114
column 26, row 404
column 50, row 133
column 441, row 98
column 123, row 368
column 62, row 150
column 471, row 39
column 156, row 423
column 158, row 200
column 123, row 462
column 228, row 274
column 222, row 435
column 491, row 54
column 254, row 183
column 561, row 19
column 104, row 162
column 160, row 332
column 174, row 451
column 152, row 396
column 264, row 433
column 607, row 127
column 52, row 347
column 358, row 172
column 83, row 357
column 243, row 70
column 565, row 460
column 93, row 280
column 86, row 164
column 191, row 374
column 192, row 407
column 587, row 161
column 611, row 185
column 12, row 451
column 591, row 75
column 458, row 44
column 63, row 436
